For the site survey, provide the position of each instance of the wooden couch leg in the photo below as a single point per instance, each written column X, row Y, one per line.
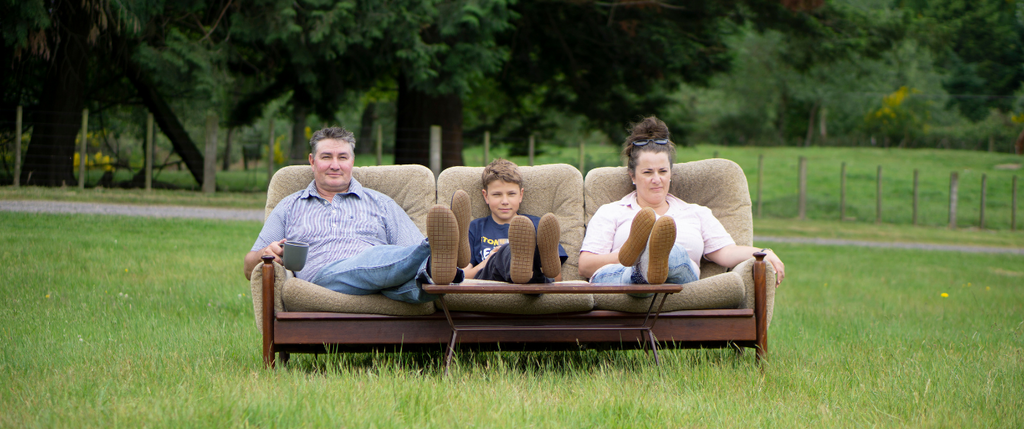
column 760, row 306
column 268, row 311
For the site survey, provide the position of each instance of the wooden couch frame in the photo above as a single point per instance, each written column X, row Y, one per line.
column 317, row 332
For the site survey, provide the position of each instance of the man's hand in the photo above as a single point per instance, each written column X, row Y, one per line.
column 255, row 257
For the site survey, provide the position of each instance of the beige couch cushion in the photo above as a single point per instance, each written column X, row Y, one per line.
column 519, row 304
column 718, row 184
column 300, row 295
column 552, row 188
column 411, row 186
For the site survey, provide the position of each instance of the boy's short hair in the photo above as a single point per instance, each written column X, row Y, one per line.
column 503, row 170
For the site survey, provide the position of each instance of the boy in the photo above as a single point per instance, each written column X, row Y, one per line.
column 507, row 246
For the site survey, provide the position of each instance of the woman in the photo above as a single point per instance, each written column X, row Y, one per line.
column 651, row 236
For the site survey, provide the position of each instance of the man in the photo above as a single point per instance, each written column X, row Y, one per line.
column 360, row 241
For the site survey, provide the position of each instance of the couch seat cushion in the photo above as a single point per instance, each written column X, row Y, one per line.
column 518, row 303
column 300, row 295
column 721, row 291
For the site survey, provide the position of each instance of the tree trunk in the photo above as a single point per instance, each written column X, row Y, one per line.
column 365, row 143
column 417, row 111
column 227, row 149
column 810, row 125
column 299, row 153
column 164, row 117
column 50, row 155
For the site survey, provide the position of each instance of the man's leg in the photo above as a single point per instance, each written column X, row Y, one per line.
column 396, row 272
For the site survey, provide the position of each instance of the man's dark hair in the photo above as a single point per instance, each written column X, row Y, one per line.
column 332, row 133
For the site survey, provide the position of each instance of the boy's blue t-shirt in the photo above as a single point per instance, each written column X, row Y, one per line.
column 485, row 235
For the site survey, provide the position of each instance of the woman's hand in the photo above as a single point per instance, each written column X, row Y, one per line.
column 732, row 255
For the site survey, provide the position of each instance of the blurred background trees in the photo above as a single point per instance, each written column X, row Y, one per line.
column 906, row 73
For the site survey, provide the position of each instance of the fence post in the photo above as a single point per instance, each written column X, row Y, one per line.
column 17, row 148
column 953, row 185
column 149, row 152
column 803, row 189
column 435, row 150
column 82, row 156
column 487, row 148
column 270, row 154
column 1013, row 205
column 878, row 202
column 984, row 192
column 991, row 144
column 842, row 193
column 583, row 155
column 210, row 157
column 914, row 218
column 531, row 149
column 760, row 179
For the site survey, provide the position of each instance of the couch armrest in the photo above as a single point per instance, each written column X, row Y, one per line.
column 746, row 271
column 256, row 288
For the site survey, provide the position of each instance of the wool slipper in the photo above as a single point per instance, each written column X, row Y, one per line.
column 548, row 235
column 663, row 237
column 443, row 236
column 522, row 241
column 461, row 209
column 639, row 231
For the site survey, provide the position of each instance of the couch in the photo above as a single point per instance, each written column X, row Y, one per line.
column 722, row 309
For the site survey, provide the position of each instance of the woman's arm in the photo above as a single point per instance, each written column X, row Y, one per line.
column 591, row 262
column 731, row 255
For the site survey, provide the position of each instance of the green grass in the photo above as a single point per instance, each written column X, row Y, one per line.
column 115, row 321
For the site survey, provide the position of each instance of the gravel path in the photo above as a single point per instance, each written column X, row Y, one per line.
column 130, row 210
column 257, row 215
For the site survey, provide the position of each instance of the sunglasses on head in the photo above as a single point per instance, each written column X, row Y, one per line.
column 645, row 142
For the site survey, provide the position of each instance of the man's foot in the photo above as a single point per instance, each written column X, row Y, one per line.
column 548, row 235
column 443, row 236
column 522, row 241
column 638, row 234
column 654, row 263
column 461, row 209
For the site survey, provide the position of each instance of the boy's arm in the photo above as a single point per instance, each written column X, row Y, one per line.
column 471, row 270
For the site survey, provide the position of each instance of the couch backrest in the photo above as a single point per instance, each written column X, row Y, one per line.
column 549, row 188
column 718, row 184
column 411, row 186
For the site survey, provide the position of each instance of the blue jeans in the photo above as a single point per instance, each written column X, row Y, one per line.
column 680, row 270
column 396, row 272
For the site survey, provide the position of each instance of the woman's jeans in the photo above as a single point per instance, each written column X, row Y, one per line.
column 680, row 270
column 396, row 272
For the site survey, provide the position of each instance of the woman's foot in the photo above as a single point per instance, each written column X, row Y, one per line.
column 654, row 263
column 639, row 232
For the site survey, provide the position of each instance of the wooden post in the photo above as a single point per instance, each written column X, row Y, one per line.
column 210, row 156
column 984, row 192
column 82, row 155
column 380, row 144
column 270, row 154
column 802, row 185
column 991, row 144
column 487, row 148
column 715, row 155
column 878, row 193
column 17, row 147
column 149, row 152
column 531, row 149
column 760, row 181
column 842, row 192
column 953, row 185
column 435, row 150
column 583, row 155
column 913, row 220
column 1013, row 205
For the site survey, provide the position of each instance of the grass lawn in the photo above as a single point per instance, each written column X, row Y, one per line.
column 115, row 321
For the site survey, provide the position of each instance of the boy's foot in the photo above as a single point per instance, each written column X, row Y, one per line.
column 522, row 241
column 638, row 234
column 443, row 236
column 654, row 263
column 548, row 235
column 461, row 209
